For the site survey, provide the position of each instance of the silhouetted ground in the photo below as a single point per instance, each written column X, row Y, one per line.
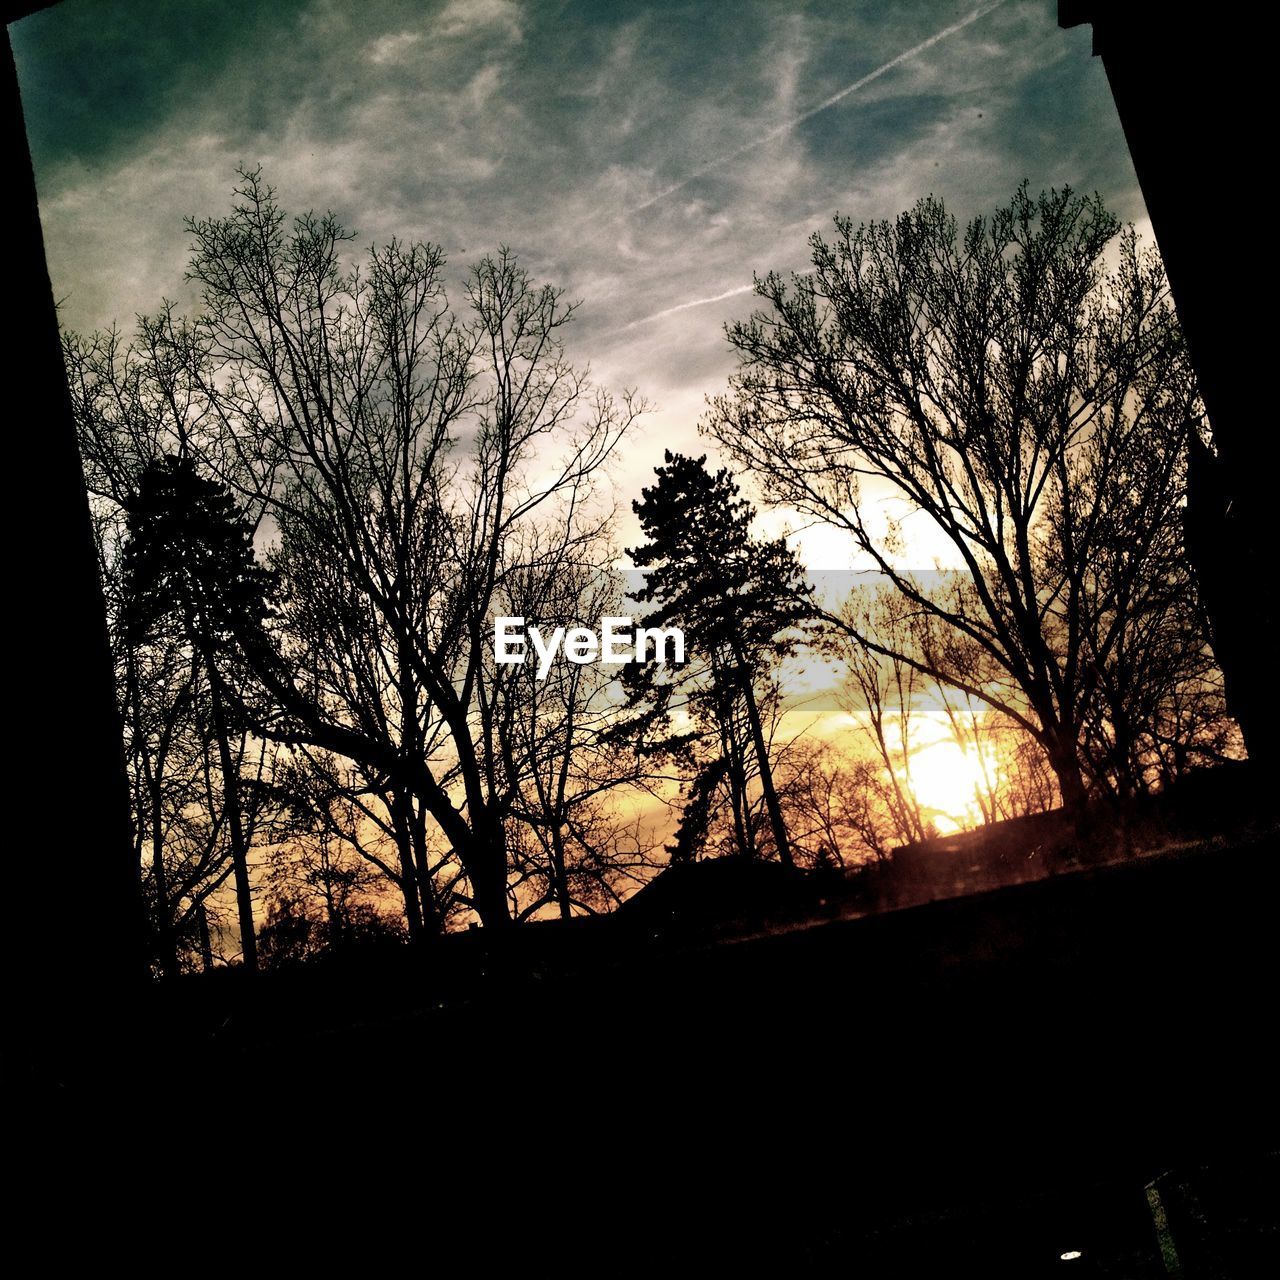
column 743, row 1071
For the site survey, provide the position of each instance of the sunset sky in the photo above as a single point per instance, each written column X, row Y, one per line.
column 647, row 156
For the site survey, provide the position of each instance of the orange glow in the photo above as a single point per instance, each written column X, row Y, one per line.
column 947, row 779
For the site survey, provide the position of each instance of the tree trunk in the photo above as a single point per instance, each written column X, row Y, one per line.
column 1064, row 760
column 560, row 870
column 486, row 863
column 235, row 826
column 206, row 943
column 432, row 924
column 152, row 774
column 165, row 941
column 478, row 840
column 738, row 799
column 401, row 817
column 771, row 802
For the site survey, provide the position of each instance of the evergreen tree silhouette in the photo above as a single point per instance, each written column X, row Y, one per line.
column 189, row 564
column 738, row 599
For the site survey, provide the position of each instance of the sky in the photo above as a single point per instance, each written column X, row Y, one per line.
column 647, row 157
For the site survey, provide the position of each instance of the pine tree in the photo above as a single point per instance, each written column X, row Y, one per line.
column 739, row 600
column 189, row 564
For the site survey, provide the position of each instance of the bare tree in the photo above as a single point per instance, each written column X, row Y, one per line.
column 408, row 447
column 198, row 783
column 322, row 894
column 574, row 780
column 1032, row 405
column 836, row 804
column 881, row 695
column 404, row 461
column 327, row 797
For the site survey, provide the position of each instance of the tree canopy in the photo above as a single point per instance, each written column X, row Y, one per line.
column 1023, row 385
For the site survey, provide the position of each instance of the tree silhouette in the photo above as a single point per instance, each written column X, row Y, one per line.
column 574, row 847
column 189, row 561
column 321, row 892
column 738, row 599
column 1031, row 406
column 407, row 446
column 136, row 401
column 412, row 459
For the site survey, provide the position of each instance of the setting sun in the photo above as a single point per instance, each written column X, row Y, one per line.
column 947, row 779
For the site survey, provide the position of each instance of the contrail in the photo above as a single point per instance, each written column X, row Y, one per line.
column 693, row 302
column 778, row 130
column 686, row 306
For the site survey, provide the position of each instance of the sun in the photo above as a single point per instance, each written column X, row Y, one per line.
column 947, row 779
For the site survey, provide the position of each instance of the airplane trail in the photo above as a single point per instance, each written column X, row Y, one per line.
column 685, row 306
column 787, row 125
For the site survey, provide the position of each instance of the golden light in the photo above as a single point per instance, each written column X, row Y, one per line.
column 947, row 779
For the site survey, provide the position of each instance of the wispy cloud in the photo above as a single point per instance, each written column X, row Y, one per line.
column 542, row 127
column 787, row 125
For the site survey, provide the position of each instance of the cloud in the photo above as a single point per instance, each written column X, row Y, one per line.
column 470, row 17
column 394, row 47
column 549, row 129
column 788, row 125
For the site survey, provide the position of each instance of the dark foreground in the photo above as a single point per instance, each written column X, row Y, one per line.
column 976, row 1086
